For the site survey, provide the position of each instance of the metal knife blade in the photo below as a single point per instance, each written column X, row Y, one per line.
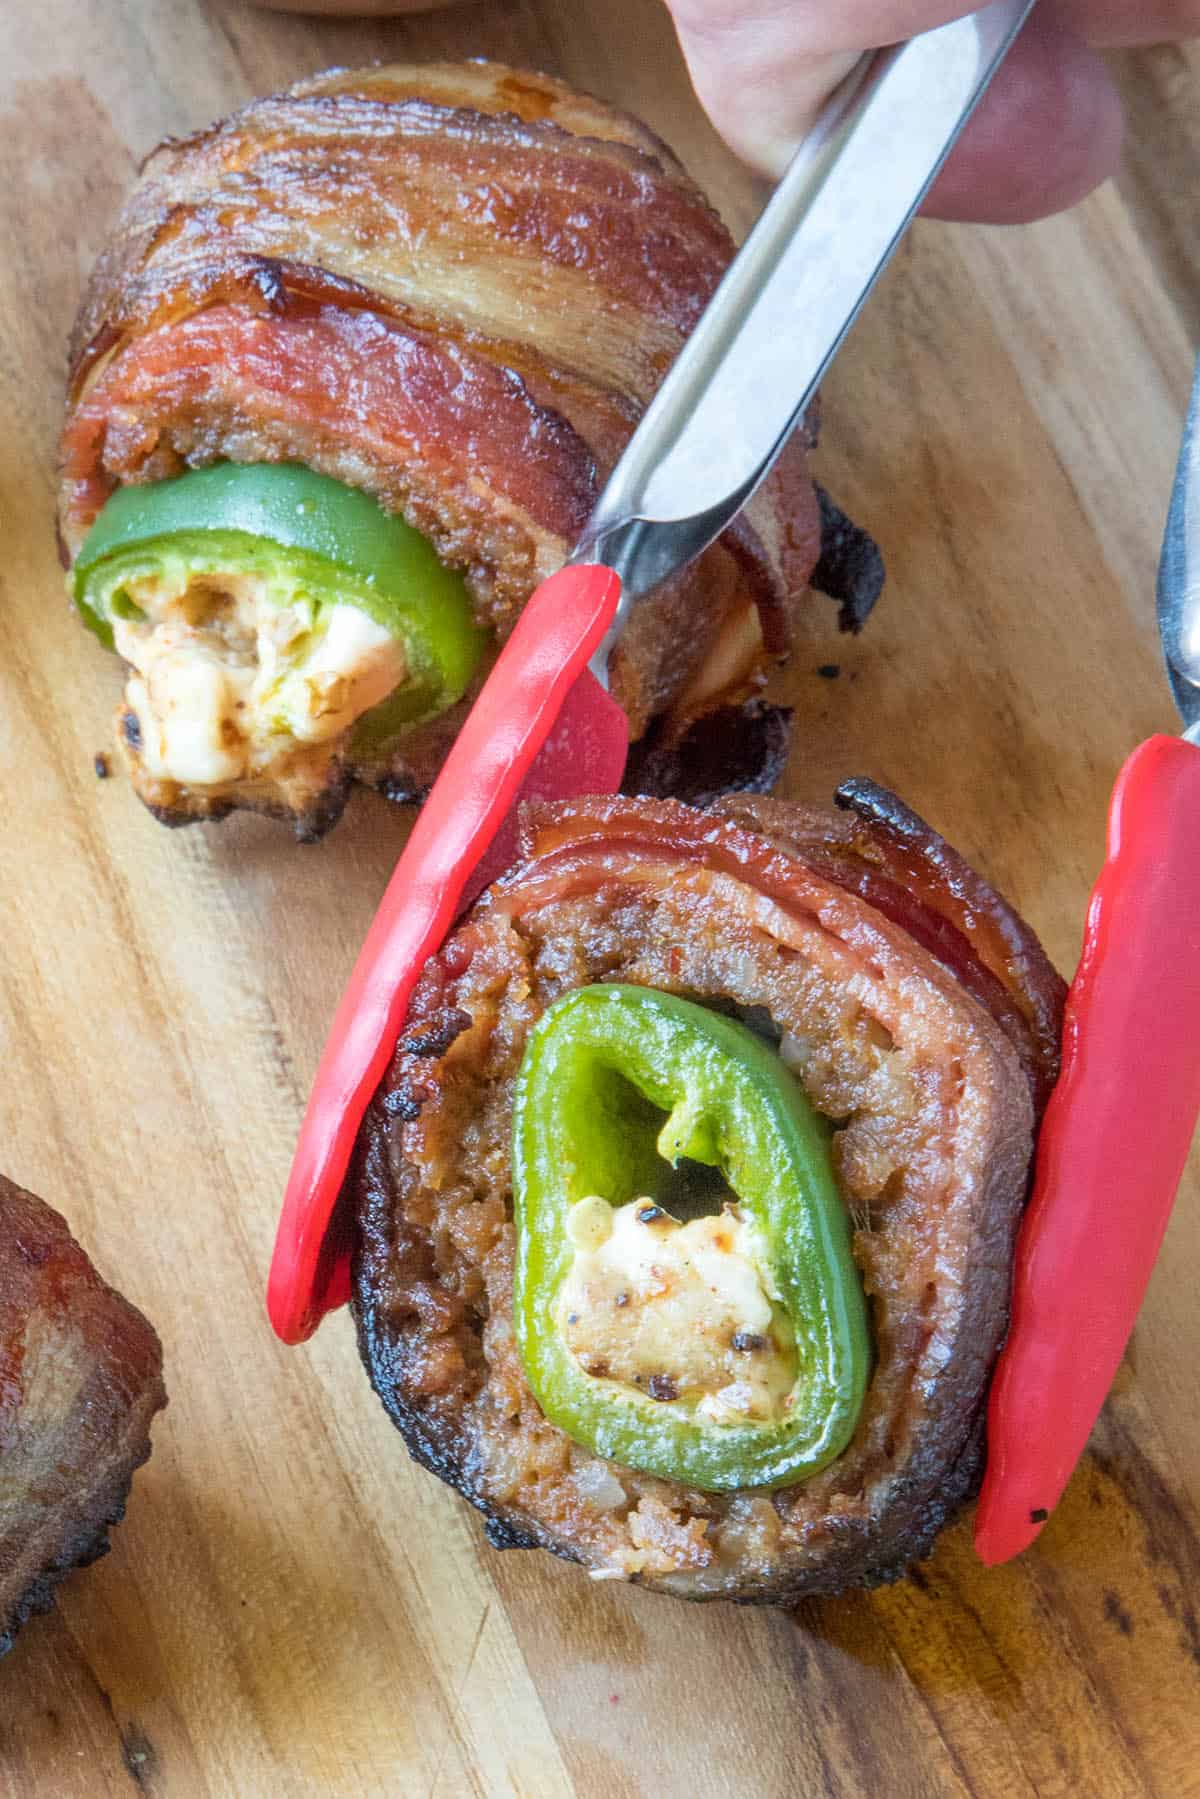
column 751, row 368
column 1179, row 575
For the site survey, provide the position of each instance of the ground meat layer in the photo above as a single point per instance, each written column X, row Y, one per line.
column 933, row 1139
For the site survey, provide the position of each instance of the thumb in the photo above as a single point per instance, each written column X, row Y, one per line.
column 1047, row 131
column 759, row 79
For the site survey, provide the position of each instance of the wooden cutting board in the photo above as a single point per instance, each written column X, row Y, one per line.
column 291, row 1608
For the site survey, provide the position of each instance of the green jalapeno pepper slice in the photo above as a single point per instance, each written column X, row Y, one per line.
column 308, row 538
column 601, row 1067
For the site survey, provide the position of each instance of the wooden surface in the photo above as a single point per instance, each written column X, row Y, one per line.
column 290, row 1607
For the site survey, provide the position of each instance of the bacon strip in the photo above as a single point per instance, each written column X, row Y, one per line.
column 884, row 853
column 435, row 431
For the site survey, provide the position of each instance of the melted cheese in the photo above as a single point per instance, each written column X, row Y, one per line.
column 675, row 1311
column 225, row 681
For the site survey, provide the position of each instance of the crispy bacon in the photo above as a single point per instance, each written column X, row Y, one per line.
column 457, row 287
column 879, row 849
column 435, row 431
column 80, row 1381
column 885, row 852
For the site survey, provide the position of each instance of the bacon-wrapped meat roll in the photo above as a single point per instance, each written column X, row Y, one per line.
column 80, row 1381
column 344, row 388
column 687, row 1206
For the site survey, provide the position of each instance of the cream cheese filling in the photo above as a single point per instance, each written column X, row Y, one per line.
column 677, row 1311
column 226, row 681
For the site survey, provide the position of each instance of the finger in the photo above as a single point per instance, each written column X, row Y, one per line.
column 1116, row 24
column 763, row 68
column 1047, row 131
column 809, row 26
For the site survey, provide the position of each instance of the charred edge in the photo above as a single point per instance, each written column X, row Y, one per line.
column 402, row 1104
column 438, row 1035
column 501, row 1535
column 307, row 827
column 869, row 1563
column 443, row 1453
column 400, row 791
column 425, row 1444
column 176, row 817
column 736, row 749
column 311, row 826
column 902, row 1560
column 850, row 567
column 879, row 806
column 85, row 1545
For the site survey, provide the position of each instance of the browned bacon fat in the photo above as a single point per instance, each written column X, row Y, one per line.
column 455, row 287
column 920, row 1016
column 80, row 1381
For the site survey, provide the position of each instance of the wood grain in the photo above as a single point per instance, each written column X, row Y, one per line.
column 290, row 1607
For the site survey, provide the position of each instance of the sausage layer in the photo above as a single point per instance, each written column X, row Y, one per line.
column 918, row 1039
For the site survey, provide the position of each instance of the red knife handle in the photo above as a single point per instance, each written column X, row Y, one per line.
column 1111, row 1151
column 558, row 630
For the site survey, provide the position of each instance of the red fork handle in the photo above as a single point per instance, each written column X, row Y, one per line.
column 1112, row 1147
column 559, row 629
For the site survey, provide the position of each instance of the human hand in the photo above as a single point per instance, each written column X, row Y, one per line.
column 1047, row 131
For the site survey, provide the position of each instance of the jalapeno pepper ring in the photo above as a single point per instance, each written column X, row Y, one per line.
column 601, row 1067
column 304, row 535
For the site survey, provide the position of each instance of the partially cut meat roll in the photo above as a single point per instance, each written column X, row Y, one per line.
column 80, row 1381
column 687, row 1206
column 345, row 387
